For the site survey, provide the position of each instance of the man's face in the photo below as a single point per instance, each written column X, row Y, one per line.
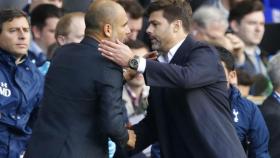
column 15, row 36
column 120, row 27
column 213, row 31
column 138, row 80
column 46, row 36
column 77, row 30
column 135, row 26
column 251, row 28
column 159, row 31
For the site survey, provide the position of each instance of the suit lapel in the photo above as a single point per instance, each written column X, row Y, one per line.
column 183, row 51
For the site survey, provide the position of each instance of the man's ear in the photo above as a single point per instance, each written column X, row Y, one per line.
column 107, row 29
column 177, row 25
column 60, row 40
column 232, row 77
column 234, row 25
column 36, row 32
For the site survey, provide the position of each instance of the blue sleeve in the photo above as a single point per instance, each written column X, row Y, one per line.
column 258, row 135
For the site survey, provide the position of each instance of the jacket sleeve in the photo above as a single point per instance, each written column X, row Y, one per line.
column 258, row 136
column 200, row 68
column 111, row 111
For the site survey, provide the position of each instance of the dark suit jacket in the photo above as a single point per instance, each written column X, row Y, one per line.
column 81, row 106
column 271, row 113
column 189, row 112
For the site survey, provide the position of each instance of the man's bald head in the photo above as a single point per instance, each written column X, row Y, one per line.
column 101, row 12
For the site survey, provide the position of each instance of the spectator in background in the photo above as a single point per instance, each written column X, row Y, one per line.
column 135, row 92
column 210, row 25
column 82, row 105
column 135, row 13
column 70, row 28
column 248, row 120
column 247, row 22
column 44, row 19
column 271, row 107
column 21, row 84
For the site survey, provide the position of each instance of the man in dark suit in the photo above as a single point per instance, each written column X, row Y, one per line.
column 188, row 113
column 82, row 98
column 271, row 107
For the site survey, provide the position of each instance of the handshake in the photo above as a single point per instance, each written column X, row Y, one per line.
column 131, row 138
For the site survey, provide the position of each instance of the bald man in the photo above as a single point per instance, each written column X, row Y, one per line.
column 82, row 107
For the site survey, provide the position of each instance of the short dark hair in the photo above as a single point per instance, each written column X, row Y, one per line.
column 243, row 8
column 226, row 57
column 42, row 12
column 9, row 15
column 133, row 7
column 244, row 78
column 173, row 10
column 135, row 44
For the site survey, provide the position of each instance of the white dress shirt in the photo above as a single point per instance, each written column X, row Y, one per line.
column 163, row 58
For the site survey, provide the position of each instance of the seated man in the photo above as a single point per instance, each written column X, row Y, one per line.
column 21, row 84
column 248, row 120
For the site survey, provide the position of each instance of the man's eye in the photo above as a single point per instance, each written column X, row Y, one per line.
column 12, row 30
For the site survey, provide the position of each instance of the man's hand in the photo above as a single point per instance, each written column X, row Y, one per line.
column 117, row 52
column 238, row 47
column 132, row 139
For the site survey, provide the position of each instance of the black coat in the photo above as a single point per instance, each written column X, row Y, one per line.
column 189, row 112
column 271, row 113
column 81, row 105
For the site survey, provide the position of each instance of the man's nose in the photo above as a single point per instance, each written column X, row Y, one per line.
column 21, row 34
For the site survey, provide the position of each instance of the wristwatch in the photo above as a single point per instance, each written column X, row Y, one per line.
column 134, row 62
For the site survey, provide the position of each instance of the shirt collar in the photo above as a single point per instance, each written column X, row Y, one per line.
column 256, row 52
column 171, row 53
column 35, row 48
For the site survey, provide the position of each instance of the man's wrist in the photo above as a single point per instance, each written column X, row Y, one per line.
column 133, row 63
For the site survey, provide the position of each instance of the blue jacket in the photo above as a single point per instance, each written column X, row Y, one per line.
column 249, row 124
column 21, row 88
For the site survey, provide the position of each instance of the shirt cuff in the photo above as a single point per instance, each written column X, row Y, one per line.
column 142, row 65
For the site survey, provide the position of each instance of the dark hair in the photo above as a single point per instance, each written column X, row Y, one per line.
column 9, row 15
column 243, row 8
column 136, row 44
column 226, row 57
column 173, row 10
column 244, row 78
column 133, row 7
column 42, row 12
